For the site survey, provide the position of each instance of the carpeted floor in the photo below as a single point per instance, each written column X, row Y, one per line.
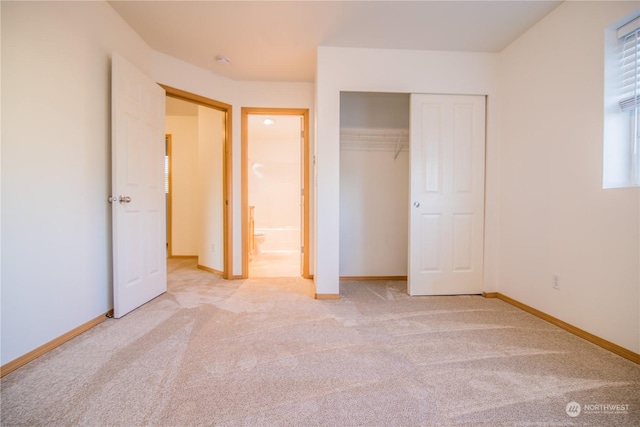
column 274, row 264
column 262, row 352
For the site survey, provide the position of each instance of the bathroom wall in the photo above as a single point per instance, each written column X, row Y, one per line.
column 374, row 182
column 274, row 180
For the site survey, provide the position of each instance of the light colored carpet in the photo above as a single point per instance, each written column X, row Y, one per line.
column 262, row 352
column 275, row 264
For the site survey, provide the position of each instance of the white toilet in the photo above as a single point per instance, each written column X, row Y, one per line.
column 258, row 239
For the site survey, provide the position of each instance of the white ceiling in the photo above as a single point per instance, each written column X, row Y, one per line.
column 277, row 40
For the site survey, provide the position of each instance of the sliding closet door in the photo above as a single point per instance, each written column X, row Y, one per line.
column 446, row 220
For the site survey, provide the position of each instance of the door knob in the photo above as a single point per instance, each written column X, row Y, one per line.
column 124, row 199
column 416, row 204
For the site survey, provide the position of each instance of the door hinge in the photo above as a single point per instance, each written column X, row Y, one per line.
column 301, row 249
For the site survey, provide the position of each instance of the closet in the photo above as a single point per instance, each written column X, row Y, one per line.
column 374, row 185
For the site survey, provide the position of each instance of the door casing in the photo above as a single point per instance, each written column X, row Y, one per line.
column 227, row 185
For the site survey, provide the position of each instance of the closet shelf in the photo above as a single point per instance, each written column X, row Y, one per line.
column 374, row 139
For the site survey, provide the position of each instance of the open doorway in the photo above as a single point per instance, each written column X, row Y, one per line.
column 275, row 179
column 198, row 158
column 374, row 178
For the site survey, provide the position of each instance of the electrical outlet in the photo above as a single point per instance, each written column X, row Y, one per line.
column 556, row 282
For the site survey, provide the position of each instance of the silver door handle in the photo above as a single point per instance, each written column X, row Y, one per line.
column 124, row 199
column 416, row 204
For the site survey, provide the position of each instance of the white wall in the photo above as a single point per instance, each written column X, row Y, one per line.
column 373, row 213
column 380, row 70
column 210, row 188
column 184, row 184
column 374, row 110
column 1, row 186
column 56, row 234
column 175, row 73
column 555, row 218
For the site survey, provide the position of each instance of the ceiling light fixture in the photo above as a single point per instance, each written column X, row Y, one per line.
column 221, row 59
column 268, row 121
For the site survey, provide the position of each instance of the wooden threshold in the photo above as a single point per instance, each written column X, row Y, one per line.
column 601, row 342
column 183, row 257
column 45, row 348
column 327, row 296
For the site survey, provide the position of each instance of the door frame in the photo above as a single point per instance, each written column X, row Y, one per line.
column 167, row 138
column 244, row 153
column 227, row 177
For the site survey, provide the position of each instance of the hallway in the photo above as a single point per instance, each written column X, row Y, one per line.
column 275, row 264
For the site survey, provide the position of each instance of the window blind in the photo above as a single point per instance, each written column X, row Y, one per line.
column 629, row 35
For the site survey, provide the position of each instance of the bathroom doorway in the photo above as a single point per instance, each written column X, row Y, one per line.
column 274, row 208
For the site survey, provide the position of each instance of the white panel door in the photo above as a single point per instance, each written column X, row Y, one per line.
column 139, row 216
column 446, row 219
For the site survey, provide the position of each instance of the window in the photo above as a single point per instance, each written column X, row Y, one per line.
column 622, row 105
column 629, row 36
